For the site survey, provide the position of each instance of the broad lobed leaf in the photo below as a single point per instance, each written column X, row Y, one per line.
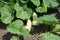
column 23, row 13
column 49, row 19
column 6, row 14
column 51, row 3
column 15, row 27
column 46, row 19
column 42, row 8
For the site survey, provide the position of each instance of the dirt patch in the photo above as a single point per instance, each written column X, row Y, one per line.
column 2, row 33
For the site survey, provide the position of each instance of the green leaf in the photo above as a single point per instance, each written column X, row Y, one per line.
column 57, row 29
column 23, row 13
column 15, row 38
column 57, row 32
column 46, row 19
column 1, row 4
column 0, row 10
column 11, row 2
column 50, row 36
column 41, row 9
column 49, row 19
column 24, row 1
column 36, row 2
column 6, row 14
column 15, row 27
column 24, row 31
column 51, row 3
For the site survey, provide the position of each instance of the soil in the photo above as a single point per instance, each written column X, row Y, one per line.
column 29, row 37
column 2, row 33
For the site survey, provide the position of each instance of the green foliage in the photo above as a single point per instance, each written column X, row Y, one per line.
column 1, row 4
column 50, row 36
column 6, row 14
column 46, row 19
column 36, row 2
column 49, row 19
column 15, row 27
column 51, row 3
column 41, row 9
column 24, row 31
column 12, row 2
column 23, row 13
column 57, row 29
column 15, row 38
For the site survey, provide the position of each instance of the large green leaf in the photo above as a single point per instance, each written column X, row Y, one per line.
column 57, row 29
column 36, row 2
column 23, row 13
column 41, row 9
column 15, row 38
column 50, row 36
column 15, row 27
column 51, row 3
column 6, row 14
column 46, row 19
column 49, row 19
